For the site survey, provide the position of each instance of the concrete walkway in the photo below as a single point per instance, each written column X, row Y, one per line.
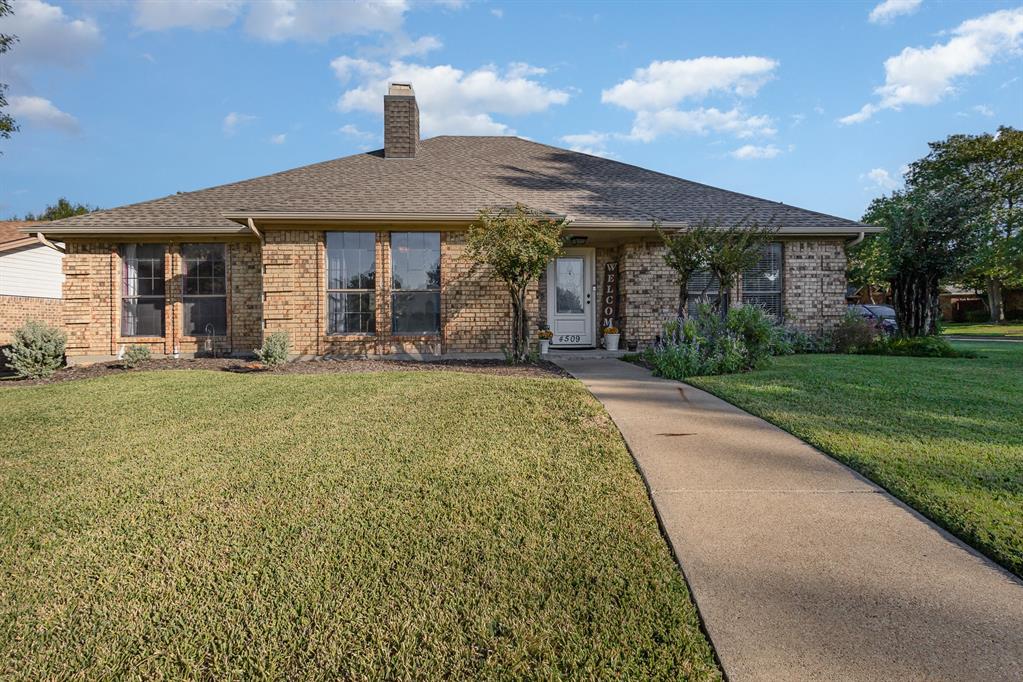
column 802, row 569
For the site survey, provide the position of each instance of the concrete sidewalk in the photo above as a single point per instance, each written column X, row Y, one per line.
column 801, row 568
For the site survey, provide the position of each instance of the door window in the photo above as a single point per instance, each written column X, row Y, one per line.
column 569, row 286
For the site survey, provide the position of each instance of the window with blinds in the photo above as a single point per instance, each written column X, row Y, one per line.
column 703, row 287
column 762, row 284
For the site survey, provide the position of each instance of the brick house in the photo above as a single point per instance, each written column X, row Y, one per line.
column 365, row 255
column 31, row 280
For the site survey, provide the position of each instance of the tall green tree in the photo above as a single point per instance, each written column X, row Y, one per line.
column 62, row 209
column 868, row 265
column 990, row 168
column 518, row 244
column 929, row 237
column 7, row 123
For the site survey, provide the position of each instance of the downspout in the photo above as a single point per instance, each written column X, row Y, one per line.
column 255, row 230
column 857, row 240
column 46, row 242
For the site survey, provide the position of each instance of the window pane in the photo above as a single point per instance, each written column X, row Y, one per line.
column 569, row 285
column 693, row 301
column 415, row 260
column 765, row 276
column 762, row 284
column 350, row 313
column 205, row 269
column 205, row 315
column 351, row 260
column 416, row 312
column 142, row 317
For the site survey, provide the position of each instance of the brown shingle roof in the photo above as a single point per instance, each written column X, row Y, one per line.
column 11, row 236
column 458, row 175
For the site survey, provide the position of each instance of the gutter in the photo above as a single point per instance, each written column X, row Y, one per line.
column 857, row 240
column 255, row 230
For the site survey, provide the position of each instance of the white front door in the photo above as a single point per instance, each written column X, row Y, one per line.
column 570, row 287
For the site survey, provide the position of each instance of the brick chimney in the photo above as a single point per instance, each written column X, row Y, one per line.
column 401, row 122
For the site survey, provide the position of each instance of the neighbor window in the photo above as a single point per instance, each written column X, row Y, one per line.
column 351, row 276
column 762, row 284
column 415, row 269
column 703, row 288
column 204, row 289
column 142, row 290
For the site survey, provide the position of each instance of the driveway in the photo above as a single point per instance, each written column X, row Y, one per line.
column 801, row 568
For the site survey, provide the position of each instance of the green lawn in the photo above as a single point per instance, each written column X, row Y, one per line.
column 944, row 435
column 982, row 329
column 364, row 526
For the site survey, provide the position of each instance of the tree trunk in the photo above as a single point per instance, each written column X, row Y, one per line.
column 915, row 299
column 994, row 297
column 683, row 300
column 520, row 325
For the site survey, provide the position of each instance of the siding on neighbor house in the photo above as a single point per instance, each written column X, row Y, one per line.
column 31, row 271
column 30, row 288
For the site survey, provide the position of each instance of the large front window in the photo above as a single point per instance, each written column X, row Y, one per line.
column 415, row 272
column 762, row 284
column 204, row 289
column 142, row 290
column 351, row 276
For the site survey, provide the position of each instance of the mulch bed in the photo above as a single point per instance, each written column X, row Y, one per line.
column 539, row 369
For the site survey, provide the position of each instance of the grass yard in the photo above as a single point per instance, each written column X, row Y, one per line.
column 983, row 329
column 365, row 526
column 944, row 435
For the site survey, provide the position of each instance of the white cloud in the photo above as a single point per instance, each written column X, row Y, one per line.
column 889, row 9
column 654, row 95
column 404, row 46
column 48, row 37
column 924, row 76
column 352, row 130
column 41, row 112
column 665, row 84
column 278, row 20
column 749, row 151
column 589, row 143
column 199, row 15
column 233, row 120
column 984, row 110
column 280, row 138
column 649, row 125
column 450, row 100
column 497, row 12
column 881, row 179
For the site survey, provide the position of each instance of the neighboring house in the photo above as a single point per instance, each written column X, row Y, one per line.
column 31, row 279
column 366, row 254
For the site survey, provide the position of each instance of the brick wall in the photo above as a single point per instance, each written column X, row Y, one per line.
column 648, row 294
column 92, row 301
column 15, row 311
column 814, row 284
column 284, row 283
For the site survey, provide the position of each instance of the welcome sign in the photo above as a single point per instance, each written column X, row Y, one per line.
column 609, row 296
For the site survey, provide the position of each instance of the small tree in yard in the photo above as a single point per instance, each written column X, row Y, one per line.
column 687, row 255
column 724, row 251
column 518, row 244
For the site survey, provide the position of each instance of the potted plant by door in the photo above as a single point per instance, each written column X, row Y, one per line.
column 611, row 337
column 545, row 336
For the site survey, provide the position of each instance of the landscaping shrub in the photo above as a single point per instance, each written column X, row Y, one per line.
column 792, row 341
column 37, row 350
column 275, row 349
column 920, row 346
column 134, row 355
column 854, row 333
column 705, row 344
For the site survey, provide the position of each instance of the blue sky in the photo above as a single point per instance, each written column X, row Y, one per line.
column 814, row 104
